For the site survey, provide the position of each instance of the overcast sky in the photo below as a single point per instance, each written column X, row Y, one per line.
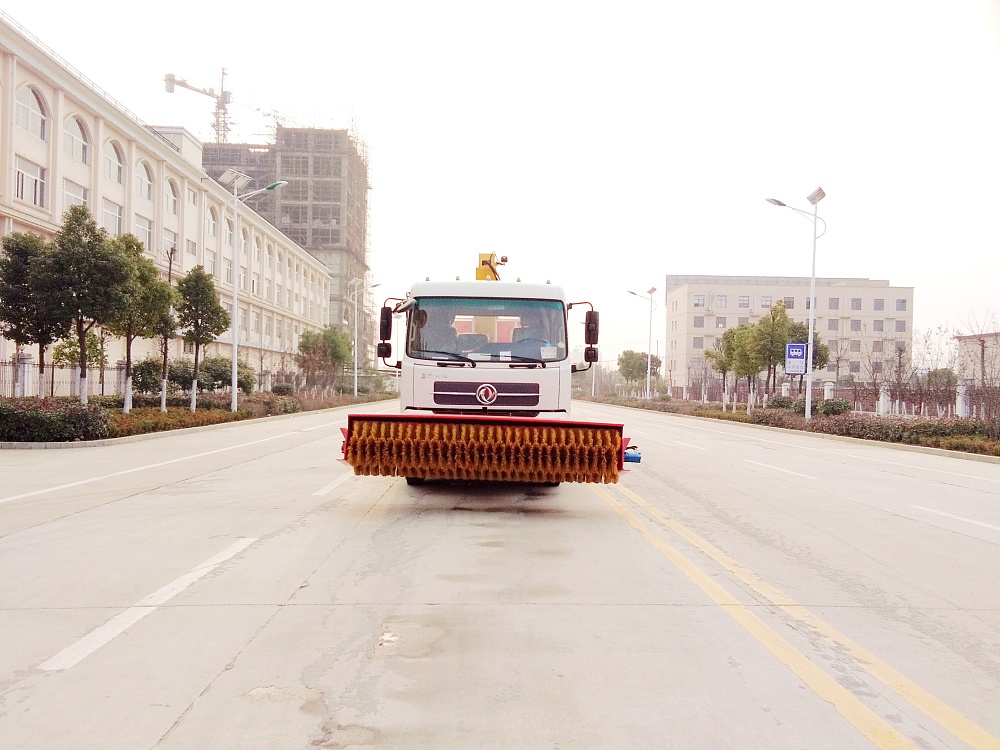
column 606, row 145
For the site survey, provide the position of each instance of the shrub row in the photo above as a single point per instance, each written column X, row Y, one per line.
column 52, row 420
column 833, row 417
column 144, row 420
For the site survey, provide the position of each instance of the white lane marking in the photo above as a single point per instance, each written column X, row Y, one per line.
column 321, row 426
column 957, row 518
column 72, row 655
column 688, row 445
column 335, row 483
column 143, row 468
column 777, row 468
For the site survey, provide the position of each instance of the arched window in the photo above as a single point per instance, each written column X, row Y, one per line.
column 257, row 249
column 77, row 142
column 212, row 223
column 144, row 181
column 114, row 163
column 31, row 113
column 244, row 243
column 269, row 256
column 171, row 199
column 229, row 232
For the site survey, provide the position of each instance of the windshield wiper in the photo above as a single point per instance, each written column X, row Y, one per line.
column 450, row 355
column 522, row 358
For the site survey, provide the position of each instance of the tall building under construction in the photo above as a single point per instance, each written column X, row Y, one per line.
column 323, row 208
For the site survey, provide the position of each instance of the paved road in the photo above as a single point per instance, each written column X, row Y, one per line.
column 741, row 588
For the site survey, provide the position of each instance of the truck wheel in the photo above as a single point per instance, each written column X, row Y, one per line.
column 414, row 481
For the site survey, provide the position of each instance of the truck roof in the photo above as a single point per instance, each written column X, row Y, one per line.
column 506, row 289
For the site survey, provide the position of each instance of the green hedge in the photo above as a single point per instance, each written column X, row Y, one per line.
column 51, row 421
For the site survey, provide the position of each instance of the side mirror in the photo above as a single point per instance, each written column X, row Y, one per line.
column 591, row 327
column 384, row 348
column 385, row 324
column 590, row 354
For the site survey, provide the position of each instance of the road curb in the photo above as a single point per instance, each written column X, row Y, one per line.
column 841, row 438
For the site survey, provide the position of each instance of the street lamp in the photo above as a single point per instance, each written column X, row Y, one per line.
column 649, row 346
column 814, row 198
column 356, row 285
column 239, row 180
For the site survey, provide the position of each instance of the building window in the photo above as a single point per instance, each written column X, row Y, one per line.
column 144, row 232
column 144, row 182
column 876, row 368
column 77, row 145
column 210, row 262
column 831, row 324
column 192, row 197
column 765, row 301
column 877, row 347
column 879, row 304
column 255, row 323
column 834, row 303
column 229, row 233
column 31, row 113
column 720, row 301
column 268, row 326
column 744, row 301
column 243, row 277
column 699, row 321
column 720, row 322
column 854, row 367
column 171, row 199
column 699, row 300
column 742, row 321
column 900, row 326
column 113, row 217
column 789, row 303
column 212, row 223
column 30, row 186
column 699, row 342
column 855, row 303
column 227, row 266
column 191, row 246
column 855, row 325
column 255, row 283
column 75, row 195
column 855, row 345
column 878, row 325
column 901, row 305
column 170, row 242
column 268, row 290
column 114, row 163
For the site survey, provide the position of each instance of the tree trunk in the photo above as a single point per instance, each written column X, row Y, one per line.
column 194, row 380
column 81, row 333
column 41, row 371
column 163, row 395
column 128, row 395
column 127, row 407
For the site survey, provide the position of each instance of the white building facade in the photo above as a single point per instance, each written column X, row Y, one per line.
column 866, row 323
column 63, row 141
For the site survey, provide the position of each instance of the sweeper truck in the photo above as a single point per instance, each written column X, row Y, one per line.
column 484, row 387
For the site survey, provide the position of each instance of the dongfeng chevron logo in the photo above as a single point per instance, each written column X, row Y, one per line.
column 486, row 394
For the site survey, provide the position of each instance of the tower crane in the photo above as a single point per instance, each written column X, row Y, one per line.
column 222, row 100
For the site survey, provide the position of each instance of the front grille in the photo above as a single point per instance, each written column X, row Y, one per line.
column 451, row 393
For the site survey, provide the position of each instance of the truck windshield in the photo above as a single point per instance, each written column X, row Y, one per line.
column 486, row 329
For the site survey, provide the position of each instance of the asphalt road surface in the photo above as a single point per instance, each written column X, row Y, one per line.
column 237, row 587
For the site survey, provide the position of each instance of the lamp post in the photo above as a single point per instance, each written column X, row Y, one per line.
column 814, row 198
column 239, row 180
column 649, row 346
column 356, row 287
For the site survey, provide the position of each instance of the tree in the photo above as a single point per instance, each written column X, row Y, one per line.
column 200, row 316
column 323, row 353
column 29, row 313
column 89, row 275
column 632, row 366
column 747, row 362
column 771, row 334
column 721, row 357
column 67, row 352
column 146, row 307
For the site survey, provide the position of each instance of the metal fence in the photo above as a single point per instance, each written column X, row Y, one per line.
column 60, row 381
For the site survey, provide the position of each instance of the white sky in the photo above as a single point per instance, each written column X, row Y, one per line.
column 605, row 145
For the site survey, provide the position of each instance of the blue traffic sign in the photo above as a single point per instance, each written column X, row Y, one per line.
column 795, row 359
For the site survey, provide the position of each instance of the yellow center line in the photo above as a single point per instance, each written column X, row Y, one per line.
column 882, row 734
column 931, row 706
